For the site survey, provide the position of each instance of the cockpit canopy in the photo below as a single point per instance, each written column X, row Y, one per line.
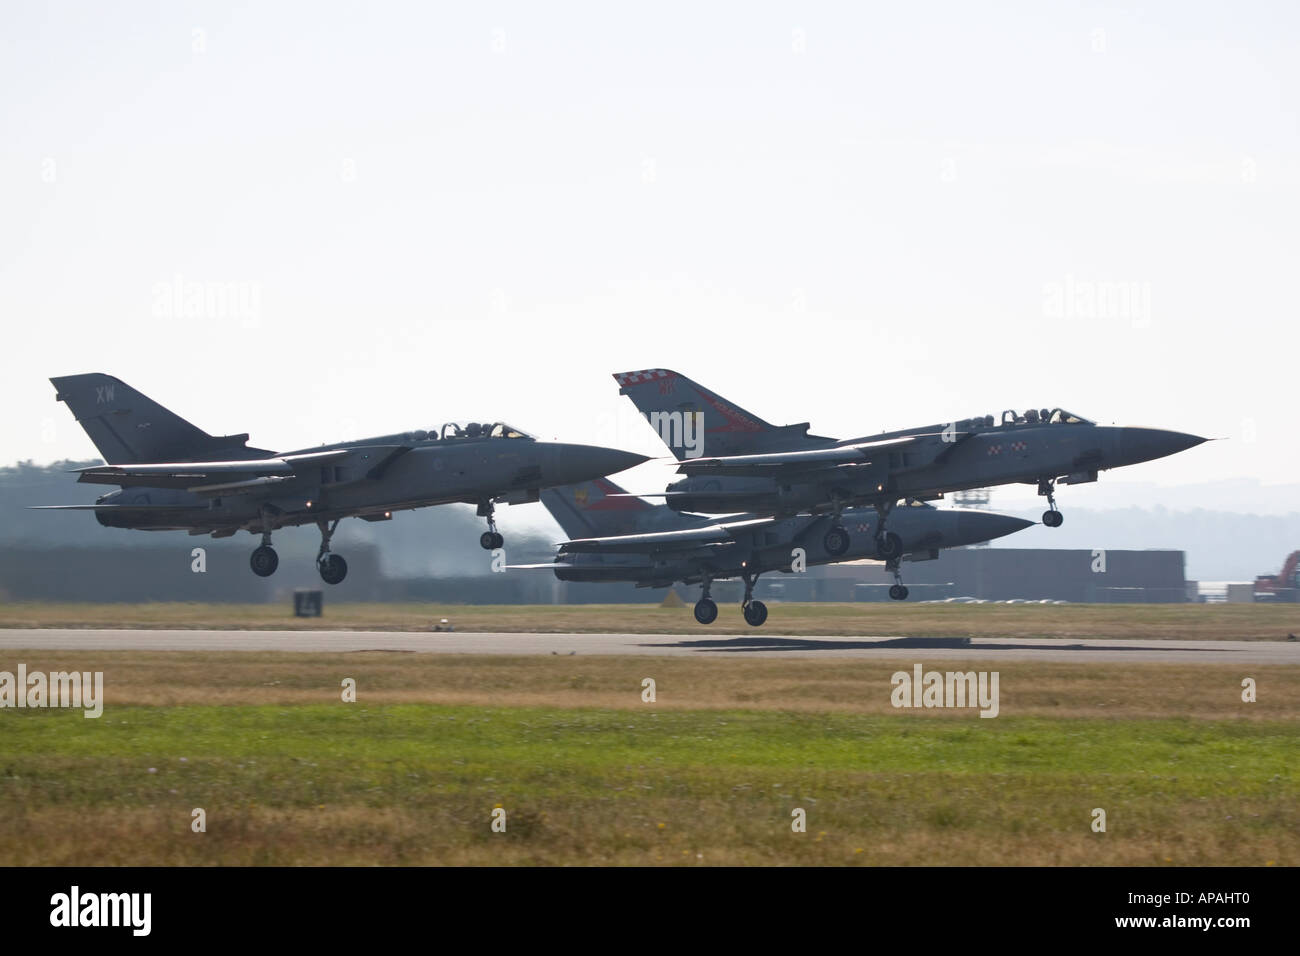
column 1044, row 416
column 1031, row 416
column 453, row 431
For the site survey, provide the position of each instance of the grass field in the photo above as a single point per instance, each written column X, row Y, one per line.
column 1145, row 621
column 589, row 773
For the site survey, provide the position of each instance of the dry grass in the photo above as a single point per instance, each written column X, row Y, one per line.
column 590, row 774
column 1027, row 688
column 1141, row 621
column 887, row 821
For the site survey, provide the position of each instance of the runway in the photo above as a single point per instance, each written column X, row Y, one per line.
column 697, row 643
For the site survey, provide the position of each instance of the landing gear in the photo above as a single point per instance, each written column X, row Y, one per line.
column 490, row 539
column 1051, row 517
column 332, row 567
column 836, row 541
column 755, row 612
column 264, row 560
column 889, row 546
column 898, row 590
column 706, row 612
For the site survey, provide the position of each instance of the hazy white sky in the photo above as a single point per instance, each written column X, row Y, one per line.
column 863, row 217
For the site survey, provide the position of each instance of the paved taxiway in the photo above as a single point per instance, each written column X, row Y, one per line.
column 699, row 643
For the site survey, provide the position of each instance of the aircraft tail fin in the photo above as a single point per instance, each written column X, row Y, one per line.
column 587, row 510
column 691, row 420
column 128, row 427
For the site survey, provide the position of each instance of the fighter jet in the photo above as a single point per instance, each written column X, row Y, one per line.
column 619, row 537
column 751, row 465
column 174, row 476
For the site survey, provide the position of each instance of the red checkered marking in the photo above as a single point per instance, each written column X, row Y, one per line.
column 645, row 375
column 995, row 449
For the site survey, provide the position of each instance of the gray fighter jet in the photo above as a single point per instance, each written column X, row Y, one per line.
column 735, row 461
column 619, row 537
column 174, row 476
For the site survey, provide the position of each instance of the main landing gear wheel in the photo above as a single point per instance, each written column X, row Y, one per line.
column 897, row 590
column 333, row 568
column 836, row 541
column 755, row 611
column 490, row 540
column 1053, row 519
column 889, row 546
column 264, row 561
column 706, row 612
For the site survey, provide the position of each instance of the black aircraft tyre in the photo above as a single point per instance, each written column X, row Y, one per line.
column 264, row 561
column 706, row 612
column 889, row 546
column 898, row 592
column 333, row 569
column 755, row 613
column 491, row 540
column 836, row 541
column 1053, row 519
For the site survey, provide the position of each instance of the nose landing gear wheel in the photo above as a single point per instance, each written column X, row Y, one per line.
column 264, row 561
column 333, row 568
column 755, row 613
column 836, row 541
column 489, row 540
column 706, row 612
column 898, row 592
column 889, row 546
column 1051, row 517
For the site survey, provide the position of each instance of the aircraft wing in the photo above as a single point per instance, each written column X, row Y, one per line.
column 669, row 495
column 552, row 565
column 858, row 453
column 710, row 535
column 108, row 508
column 244, row 475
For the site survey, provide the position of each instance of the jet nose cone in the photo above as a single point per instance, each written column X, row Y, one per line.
column 574, row 463
column 976, row 526
column 1147, row 444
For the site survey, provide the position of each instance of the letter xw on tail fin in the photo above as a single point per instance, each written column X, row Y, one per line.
column 130, row 428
